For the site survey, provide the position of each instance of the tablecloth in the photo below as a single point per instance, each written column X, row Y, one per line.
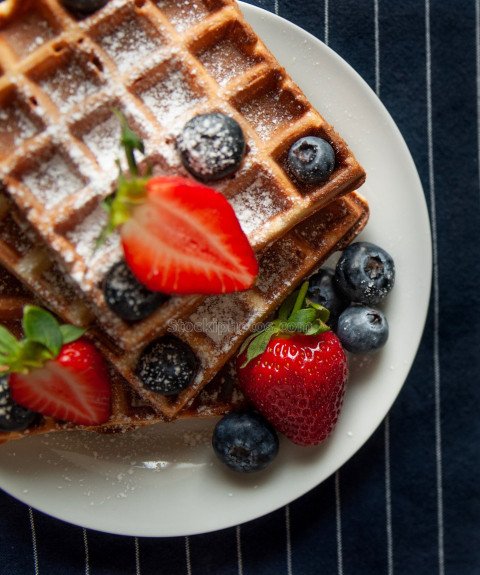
column 408, row 502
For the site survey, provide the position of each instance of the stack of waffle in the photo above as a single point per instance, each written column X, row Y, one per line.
column 160, row 62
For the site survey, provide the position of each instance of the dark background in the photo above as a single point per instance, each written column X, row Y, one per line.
column 408, row 502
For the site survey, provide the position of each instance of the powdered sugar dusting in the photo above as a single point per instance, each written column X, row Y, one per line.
column 52, row 180
column 28, row 33
column 170, row 97
column 71, row 83
column 315, row 232
column 87, row 232
column 183, row 13
column 211, row 144
column 129, row 44
column 268, row 112
column 277, row 265
column 257, row 203
column 221, row 318
column 16, row 126
column 197, row 438
column 224, row 61
column 104, row 142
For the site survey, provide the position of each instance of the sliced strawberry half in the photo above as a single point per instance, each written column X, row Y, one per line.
column 185, row 238
column 178, row 236
column 73, row 387
column 55, row 371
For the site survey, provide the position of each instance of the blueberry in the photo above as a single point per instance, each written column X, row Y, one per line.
column 211, row 146
column 127, row 297
column 362, row 329
column 167, row 366
column 245, row 442
column 13, row 417
column 365, row 273
column 322, row 290
column 311, row 160
column 84, row 6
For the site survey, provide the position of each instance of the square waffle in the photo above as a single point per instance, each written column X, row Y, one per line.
column 160, row 62
column 216, row 328
column 129, row 412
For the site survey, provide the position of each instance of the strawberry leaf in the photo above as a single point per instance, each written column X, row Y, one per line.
column 71, row 333
column 301, row 319
column 287, row 306
column 259, row 343
column 317, row 327
column 297, row 314
column 246, row 343
column 323, row 312
column 28, row 355
column 41, row 327
column 8, row 343
column 130, row 188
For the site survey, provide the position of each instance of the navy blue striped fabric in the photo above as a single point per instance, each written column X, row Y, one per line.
column 409, row 501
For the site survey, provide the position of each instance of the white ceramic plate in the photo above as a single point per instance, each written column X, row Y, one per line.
column 164, row 481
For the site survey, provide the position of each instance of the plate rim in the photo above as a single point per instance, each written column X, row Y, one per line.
column 282, row 501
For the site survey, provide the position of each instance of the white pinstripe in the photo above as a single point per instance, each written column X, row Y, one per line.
column 288, row 540
column 388, row 498
column 187, row 556
column 287, row 507
column 239, row 550
column 87, row 555
column 436, row 303
column 338, row 519
column 34, row 542
column 388, row 488
column 137, row 556
column 338, row 507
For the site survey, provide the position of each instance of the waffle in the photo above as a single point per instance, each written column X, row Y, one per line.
column 160, row 62
column 129, row 412
column 215, row 330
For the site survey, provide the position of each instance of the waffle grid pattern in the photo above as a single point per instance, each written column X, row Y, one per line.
column 170, row 60
column 217, row 327
column 129, row 412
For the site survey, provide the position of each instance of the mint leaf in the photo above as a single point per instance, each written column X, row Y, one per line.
column 41, row 327
column 259, row 344
column 71, row 333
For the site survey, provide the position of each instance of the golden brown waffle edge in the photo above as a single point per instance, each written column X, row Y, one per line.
column 283, row 265
column 63, row 81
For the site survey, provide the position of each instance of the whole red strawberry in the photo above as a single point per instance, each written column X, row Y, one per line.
column 295, row 372
column 178, row 236
column 56, row 372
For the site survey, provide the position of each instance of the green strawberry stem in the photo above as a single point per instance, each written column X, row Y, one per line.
column 296, row 315
column 130, row 142
column 131, row 188
column 44, row 338
column 302, row 292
